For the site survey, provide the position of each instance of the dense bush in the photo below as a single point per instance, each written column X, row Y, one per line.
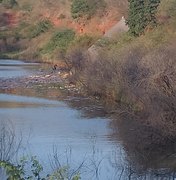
column 140, row 80
column 141, row 14
column 86, row 8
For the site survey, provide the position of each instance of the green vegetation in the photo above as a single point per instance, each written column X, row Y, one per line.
column 60, row 41
column 83, row 41
column 35, row 28
column 142, row 14
column 150, row 12
column 30, row 169
column 86, row 8
column 9, row 3
column 41, row 27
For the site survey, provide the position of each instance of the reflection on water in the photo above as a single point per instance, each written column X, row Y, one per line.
column 146, row 158
column 5, row 104
column 88, row 107
column 44, row 123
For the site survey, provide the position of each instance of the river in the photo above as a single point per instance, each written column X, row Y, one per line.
column 62, row 129
column 47, row 123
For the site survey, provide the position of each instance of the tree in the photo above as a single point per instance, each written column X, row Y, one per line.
column 141, row 13
column 136, row 19
column 86, row 8
column 150, row 12
column 80, row 8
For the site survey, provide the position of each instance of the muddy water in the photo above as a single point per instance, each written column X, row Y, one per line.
column 47, row 121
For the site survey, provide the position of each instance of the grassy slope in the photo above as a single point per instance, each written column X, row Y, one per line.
column 30, row 13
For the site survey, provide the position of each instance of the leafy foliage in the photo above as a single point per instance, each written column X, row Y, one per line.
column 86, row 8
column 34, row 168
column 150, row 12
column 60, row 40
column 141, row 14
column 41, row 27
column 84, row 41
column 18, row 172
column 135, row 20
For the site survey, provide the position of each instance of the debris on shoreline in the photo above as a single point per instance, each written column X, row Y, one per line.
column 57, row 79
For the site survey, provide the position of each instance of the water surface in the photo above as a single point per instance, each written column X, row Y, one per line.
column 50, row 121
column 46, row 124
column 14, row 68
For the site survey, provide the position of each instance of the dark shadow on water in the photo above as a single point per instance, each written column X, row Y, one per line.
column 149, row 154
column 88, row 107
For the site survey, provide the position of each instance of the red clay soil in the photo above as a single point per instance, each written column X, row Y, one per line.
column 93, row 26
column 96, row 26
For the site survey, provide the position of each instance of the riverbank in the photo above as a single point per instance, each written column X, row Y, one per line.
column 19, row 78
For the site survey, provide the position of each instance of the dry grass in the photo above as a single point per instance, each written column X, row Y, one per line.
column 141, row 81
column 137, row 75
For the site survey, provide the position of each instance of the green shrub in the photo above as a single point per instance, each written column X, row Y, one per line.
column 41, row 27
column 34, row 168
column 60, row 40
column 9, row 3
column 142, row 14
column 84, row 41
column 86, row 8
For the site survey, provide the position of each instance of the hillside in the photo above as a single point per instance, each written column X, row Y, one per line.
column 28, row 27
